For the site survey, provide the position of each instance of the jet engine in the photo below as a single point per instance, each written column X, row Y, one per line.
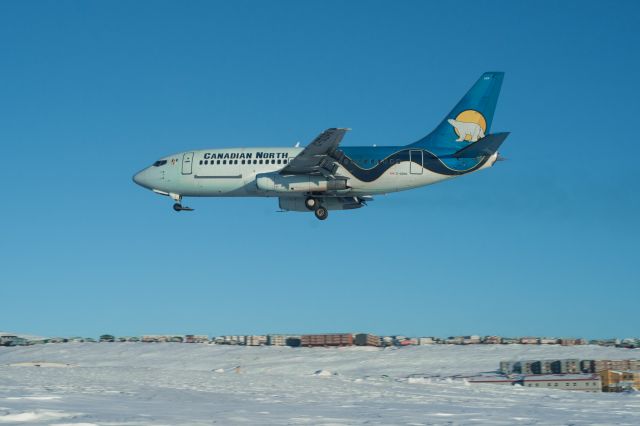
column 275, row 182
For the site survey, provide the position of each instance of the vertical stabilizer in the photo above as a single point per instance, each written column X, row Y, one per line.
column 469, row 121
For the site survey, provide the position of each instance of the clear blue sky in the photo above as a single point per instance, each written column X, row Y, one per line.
column 545, row 243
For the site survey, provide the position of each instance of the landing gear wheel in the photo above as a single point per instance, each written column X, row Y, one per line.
column 321, row 213
column 177, row 207
column 311, row 203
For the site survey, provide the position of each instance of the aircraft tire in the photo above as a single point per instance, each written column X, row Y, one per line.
column 311, row 203
column 321, row 213
column 177, row 207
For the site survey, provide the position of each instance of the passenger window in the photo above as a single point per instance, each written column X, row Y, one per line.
column 255, row 161
column 279, row 161
column 201, row 162
column 206, row 162
column 224, row 161
column 242, row 161
column 218, row 162
column 260, row 161
column 273, row 161
column 235, row 161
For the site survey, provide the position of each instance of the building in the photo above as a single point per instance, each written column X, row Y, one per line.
column 470, row 340
column 565, row 366
column 293, row 341
column 548, row 341
column 276, row 340
column 195, row 338
column 230, row 340
column 508, row 367
column 156, row 338
column 255, row 340
column 492, row 340
column 364, row 339
column 587, row 366
column 620, row 381
column 618, row 365
column 12, row 340
column 573, row 382
column 605, row 342
column 426, row 340
column 386, row 341
column 529, row 340
column 337, row 339
column 496, row 380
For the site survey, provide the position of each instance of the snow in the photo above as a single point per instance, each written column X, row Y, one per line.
column 176, row 384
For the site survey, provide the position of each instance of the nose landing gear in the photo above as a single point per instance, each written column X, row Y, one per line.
column 179, row 208
column 178, row 205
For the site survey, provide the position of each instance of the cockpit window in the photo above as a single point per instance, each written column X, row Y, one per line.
column 159, row 163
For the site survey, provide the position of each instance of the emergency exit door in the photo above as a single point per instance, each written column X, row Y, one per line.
column 187, row 163
column 415, row 162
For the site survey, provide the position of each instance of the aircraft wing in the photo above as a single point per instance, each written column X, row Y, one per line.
column 316, row 158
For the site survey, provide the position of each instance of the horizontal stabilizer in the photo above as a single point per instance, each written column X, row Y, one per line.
column 484, row 147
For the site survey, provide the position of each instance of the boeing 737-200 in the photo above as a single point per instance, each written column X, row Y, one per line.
column 324, row 176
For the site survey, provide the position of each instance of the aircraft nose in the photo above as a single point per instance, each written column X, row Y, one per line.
column 142, row 178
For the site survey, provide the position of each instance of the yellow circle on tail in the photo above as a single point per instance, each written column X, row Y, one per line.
column 471, row 116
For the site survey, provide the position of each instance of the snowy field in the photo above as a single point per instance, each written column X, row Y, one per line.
column 86, row 384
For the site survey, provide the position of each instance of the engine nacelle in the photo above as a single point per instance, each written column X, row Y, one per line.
column 296, row 204
column 275, row 182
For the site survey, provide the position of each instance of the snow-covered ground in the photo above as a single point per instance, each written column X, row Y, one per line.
column 199, row 384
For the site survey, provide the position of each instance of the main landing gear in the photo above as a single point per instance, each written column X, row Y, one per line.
column 178, row 205
column 321, row 212
column 311, row 203
column 314, row 205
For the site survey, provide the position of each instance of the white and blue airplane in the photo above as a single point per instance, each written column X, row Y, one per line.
column 324, row 176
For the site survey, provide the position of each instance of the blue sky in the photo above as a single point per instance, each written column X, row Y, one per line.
column 544, row 243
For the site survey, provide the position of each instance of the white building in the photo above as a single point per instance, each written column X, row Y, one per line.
column 276, row 340
column 255, row 340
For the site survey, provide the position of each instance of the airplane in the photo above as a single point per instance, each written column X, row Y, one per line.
column 324, row 176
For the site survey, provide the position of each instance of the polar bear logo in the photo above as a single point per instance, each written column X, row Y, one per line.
column 464, row 129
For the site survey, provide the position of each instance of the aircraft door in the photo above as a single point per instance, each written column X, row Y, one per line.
column 415, row 165
column 187, row 163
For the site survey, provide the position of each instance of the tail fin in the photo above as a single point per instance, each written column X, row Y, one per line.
column 469, row 120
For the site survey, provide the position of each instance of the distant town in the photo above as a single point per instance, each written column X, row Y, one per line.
column 325, row 340
column 589, row 375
